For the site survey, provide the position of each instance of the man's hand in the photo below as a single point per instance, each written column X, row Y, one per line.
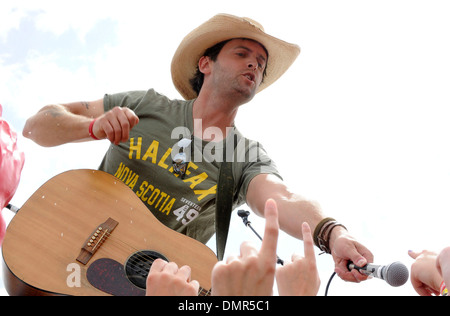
column 300, row 278
column 253, row 272
column 345, row 248
column 443, row 265
column 115, row 125
column 425, row 276
column 166, row 279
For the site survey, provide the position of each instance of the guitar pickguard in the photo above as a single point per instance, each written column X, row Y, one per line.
column 109, row 276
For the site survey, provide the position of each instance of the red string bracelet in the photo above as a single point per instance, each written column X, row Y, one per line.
column 91, row 133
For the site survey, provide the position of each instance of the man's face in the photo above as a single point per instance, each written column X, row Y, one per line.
column 240, row 67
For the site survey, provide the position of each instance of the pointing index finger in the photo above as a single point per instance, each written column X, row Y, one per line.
column 270, row 240
column 308, row 242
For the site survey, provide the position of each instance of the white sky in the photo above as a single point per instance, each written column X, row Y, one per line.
column 358, row 123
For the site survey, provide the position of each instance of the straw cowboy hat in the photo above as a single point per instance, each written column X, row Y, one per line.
column 224, row 27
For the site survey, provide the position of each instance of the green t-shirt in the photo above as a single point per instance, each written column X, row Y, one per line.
column 145, row 162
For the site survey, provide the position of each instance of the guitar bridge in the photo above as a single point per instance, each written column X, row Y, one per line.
column 95, row 240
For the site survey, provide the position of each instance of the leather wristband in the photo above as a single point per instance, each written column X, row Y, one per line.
column 323, row 231
column 319, row 228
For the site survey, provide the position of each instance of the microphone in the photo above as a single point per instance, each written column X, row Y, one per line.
column 395, row 274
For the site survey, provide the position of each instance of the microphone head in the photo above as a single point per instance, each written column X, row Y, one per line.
column 396, row 274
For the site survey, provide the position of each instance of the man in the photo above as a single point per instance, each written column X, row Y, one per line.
column 169, row 151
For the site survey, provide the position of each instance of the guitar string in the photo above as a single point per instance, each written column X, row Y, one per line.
column 146, row 259
column 141, row 256
column 109, row 234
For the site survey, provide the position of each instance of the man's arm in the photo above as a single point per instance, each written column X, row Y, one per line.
column 59, row 124
column 294, row 210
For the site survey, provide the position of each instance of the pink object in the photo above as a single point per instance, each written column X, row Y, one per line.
column 11, row 164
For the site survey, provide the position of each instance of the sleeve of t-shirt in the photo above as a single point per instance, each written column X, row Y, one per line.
column 130, row 99
column 258, row 162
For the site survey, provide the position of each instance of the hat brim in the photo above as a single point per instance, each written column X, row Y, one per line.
column 224, row 27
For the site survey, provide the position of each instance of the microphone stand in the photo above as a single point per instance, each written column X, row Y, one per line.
column 244, row 215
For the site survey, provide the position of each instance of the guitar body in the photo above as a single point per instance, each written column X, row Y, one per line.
column 86, row 233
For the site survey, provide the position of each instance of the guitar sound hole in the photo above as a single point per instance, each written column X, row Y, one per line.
column 138, row 266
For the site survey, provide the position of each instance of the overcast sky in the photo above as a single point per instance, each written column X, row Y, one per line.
column 359, row 123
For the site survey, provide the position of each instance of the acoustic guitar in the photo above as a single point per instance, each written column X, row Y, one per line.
column 86, row 233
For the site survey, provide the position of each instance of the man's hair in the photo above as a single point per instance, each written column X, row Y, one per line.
column 212, row 53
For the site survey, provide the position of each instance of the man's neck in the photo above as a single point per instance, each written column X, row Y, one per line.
column 214, row 114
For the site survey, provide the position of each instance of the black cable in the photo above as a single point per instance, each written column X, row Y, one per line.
column 329, row 282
